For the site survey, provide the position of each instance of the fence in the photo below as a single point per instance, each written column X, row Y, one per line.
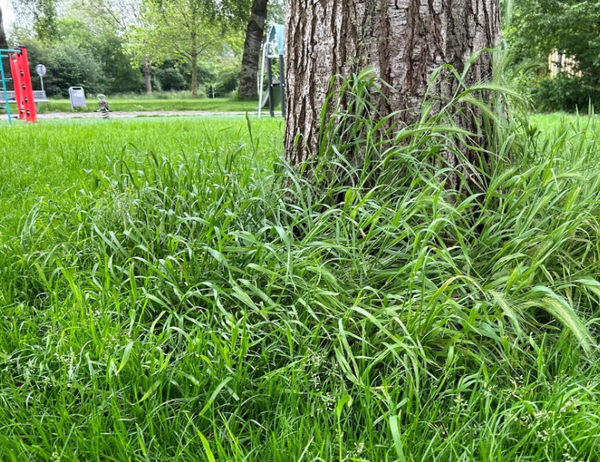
column 559, row 62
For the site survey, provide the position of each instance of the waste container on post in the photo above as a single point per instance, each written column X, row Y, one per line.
column 77, row 97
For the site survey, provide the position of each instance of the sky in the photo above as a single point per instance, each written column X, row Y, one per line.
column 7, row 13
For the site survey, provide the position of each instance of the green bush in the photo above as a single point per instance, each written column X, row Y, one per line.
column 73, row 66
column 170, row 79
column 121, row 77
column 80, row 58
column 228, row 80
column 564, row 93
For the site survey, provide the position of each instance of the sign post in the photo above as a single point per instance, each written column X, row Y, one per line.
column 41, row 71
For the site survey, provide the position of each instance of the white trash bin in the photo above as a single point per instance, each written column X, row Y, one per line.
column 77, row 97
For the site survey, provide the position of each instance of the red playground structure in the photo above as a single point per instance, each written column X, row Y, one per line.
column 21, row 78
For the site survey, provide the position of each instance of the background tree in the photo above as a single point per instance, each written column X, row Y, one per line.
column 3, row 41
column 118, row 15
column 82, row 56
column 403, row 42
column 144, row 41
column 175, row 44
column 255, row 32
column 45, row 19
column 571, row 27
column 44, row 14
column 277, row 11
column 262, row 13
column 132, row 22
column 186, row 30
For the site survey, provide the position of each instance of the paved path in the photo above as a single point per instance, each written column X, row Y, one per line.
column 121, row 115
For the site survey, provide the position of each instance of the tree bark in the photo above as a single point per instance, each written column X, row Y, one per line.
column 4, row 46
column 403, row 41
column 194, row 13
column 194, row 55
column 195, row 74
column 147, row 77
column 252, row 45
column 3, row 41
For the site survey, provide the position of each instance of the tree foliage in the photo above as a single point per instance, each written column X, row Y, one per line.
column 570, row 26
column 535, row 28
column 45, row 16
column 182, row 30
column 235, row 13
column 113, row 45
column 82, row 56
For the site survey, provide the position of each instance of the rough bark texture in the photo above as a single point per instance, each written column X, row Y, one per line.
column 4, row 46
column 3, row 42
column 148, row 77
column 403, row 41
column 194, row 74
column 194, row 55
column 252, row 44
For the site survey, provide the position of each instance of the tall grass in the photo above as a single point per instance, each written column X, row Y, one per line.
column 201, row 305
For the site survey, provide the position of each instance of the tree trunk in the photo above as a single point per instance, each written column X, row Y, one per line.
column 195, row 74
column 148, row 77
column 3, row 42
column 403, row 41
column 4, row 46
column 194, row 55
column 251, row 57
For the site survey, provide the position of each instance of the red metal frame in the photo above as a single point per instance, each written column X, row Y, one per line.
column 19, row 66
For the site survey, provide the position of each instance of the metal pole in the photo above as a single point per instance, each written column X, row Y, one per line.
column 262, row 79
column 282, row 84
column 42, row 82
column 4, row 90
column 271, row 92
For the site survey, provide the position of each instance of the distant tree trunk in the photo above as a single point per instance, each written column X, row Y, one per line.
column 252, row 45
column 195, row 74
column 4, row 45
column 147, row 77
column 194, row 55
column 403, row 41
column 3, row 42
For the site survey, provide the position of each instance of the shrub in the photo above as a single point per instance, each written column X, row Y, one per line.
column 564, row 93
column 228, row 80
column 170, row 79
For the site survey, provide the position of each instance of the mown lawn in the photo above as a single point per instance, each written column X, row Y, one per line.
column 169, row 291
column 146, row 104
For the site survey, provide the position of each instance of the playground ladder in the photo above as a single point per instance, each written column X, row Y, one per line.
column 21, row 77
